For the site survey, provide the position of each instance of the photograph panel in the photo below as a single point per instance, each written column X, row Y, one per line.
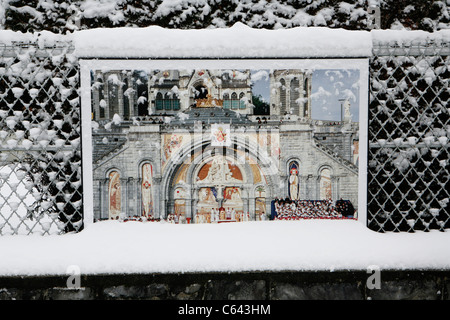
column 213, row 145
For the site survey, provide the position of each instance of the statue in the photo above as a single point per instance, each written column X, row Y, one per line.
column 219, row 171
column 347, row 114
column 293, row 184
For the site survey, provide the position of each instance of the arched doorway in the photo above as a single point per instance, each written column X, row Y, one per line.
column 215, row 177
column 219, row 183
column 201, row 92
column 325, row 184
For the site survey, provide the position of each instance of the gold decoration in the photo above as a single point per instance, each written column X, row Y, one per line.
column 209, row 102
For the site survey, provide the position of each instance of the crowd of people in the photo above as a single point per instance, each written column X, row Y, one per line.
column 282, row 209
column 287, row 209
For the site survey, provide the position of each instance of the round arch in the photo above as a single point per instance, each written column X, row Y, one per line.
column 325, row 182
column 293, row 166
column 197, row 153
column 114, row 193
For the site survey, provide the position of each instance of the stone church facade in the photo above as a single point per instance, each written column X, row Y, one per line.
column 187, row 143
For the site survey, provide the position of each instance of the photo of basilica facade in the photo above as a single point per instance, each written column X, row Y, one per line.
column 204, row 146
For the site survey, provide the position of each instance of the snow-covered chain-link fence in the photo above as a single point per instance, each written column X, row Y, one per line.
column 40, row 161
column 40, row 154
column 409, row 127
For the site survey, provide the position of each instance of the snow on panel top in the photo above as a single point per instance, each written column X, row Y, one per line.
column 238, row 41
column 409, row 36
column 43, row 38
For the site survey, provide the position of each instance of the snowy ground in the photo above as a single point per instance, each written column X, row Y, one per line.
column 153, row 247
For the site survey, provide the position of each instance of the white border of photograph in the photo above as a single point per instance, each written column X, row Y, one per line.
column 86, row 65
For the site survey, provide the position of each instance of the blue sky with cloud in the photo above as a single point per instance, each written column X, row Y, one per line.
column 328, row 87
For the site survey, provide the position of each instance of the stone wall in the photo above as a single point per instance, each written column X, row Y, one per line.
column 143, row 145
column 269, row 286
column 297, row 143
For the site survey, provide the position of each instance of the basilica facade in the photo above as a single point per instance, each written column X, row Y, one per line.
column 193, row 144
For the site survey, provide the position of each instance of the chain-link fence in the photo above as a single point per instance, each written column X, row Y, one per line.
column 40, row 160
column 408, row 160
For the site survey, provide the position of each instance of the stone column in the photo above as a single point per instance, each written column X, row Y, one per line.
column 309, row 187
column 104, row 206
column 96, row 103
column 124, row 196
column 138, row 197
column 302, row 106
column 131, row 98
column 285, row 186
column 252, row 207
column 131, row 197
column 335, row 185
column 120, row 99
column 157, row 195
column 106, row 98
column 188, row 202
column 302, row 187
column 97, row 206
column 317, row 187
column 194, row 201
column 268, row 207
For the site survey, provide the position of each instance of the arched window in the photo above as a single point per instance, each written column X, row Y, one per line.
column 305, row 88
column 325, row 184
column 242, row 101
column 175, row 103
column 113, row 97
column 168, row 101
column 114, row 195
column 295, row 94
column 234, row 101
column 101, row 96
column 283, row 106
column 226, row 101
column 293, row 180
column 159, row 101
column 141, row 87
column 126, row 100
column 200, row 92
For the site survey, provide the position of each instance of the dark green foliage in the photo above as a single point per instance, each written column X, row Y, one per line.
column 60, row 16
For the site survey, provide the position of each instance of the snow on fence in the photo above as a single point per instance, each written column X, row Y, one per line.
column 40, row 155
column 409, row 127
column 408, row 156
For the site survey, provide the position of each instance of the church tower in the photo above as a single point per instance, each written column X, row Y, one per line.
column 290, row 93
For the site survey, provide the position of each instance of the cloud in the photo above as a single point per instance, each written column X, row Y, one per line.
column 321, row 92
column 348, row 95
column 259, row 75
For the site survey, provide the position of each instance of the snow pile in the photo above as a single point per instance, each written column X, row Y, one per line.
column 44, row 38
column 152, row 247
column 238, row 41
column 409, row 37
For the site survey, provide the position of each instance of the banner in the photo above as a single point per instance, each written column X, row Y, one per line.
column 220, row 135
